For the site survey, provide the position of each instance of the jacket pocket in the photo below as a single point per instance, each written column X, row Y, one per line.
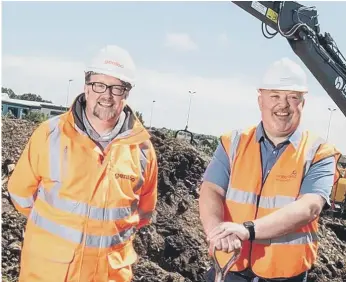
column 122, row 256
column 40, row 263
column 120, row 262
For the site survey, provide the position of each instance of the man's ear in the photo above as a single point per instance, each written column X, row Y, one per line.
column 86, row 91
column 259, row 99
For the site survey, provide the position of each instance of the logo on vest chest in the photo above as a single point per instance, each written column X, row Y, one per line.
column 124, row 176
column 289, row 177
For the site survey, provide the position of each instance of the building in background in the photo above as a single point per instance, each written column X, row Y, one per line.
column 19, row 108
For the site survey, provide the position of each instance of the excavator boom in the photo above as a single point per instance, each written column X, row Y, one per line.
column 299, row 25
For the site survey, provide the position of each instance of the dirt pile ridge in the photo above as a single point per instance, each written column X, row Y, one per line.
column 173, row 248
column 175, row 241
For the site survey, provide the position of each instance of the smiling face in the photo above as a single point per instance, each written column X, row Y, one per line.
column 281, row 111
column 104, row 103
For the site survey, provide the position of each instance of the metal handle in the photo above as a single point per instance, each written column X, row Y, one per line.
column 221, row 272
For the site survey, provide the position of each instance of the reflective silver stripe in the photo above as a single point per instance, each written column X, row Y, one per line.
column 275, row 202
column 52, row 198
column 244, row 197
column 234, row 141
column 23, row 202
column 144, row 149
column 143, row 157
column 145, row 215
column 240, row 196
column 235, row 138
column 311, row 154
column 54, row 149
column 76, row 236
column 64, row 232
column 134, row 206
column 291, row 239
column 79, row 208
column 109, row 241
column 139, row 184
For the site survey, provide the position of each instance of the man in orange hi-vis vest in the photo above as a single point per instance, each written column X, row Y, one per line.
column 266, row 185
column 87, row 180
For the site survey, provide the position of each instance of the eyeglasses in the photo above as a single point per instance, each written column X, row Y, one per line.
column 116, row 90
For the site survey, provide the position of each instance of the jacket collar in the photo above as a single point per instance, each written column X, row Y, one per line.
column 131, row 132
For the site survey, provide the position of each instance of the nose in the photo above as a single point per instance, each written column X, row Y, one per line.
column 108, row 93
column 283, row 102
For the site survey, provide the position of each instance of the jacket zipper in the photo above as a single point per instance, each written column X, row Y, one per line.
column 87, row 215
column 64, row 164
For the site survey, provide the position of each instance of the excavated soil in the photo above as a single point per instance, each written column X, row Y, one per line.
column 173, row 248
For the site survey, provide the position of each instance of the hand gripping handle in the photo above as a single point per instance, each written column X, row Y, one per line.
column 221, row 272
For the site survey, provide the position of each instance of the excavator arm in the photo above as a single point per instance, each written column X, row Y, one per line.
column 299, row 25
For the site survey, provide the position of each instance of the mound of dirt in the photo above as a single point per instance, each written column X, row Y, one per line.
column 175, row 241
column 15, row 135
column 331, row 262
column 173, row 248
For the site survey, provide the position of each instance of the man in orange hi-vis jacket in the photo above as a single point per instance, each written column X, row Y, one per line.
column 87, row 180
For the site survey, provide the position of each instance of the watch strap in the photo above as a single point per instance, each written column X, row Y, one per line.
column 249, row 225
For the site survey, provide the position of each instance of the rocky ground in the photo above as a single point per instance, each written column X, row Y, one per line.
column 173, row 248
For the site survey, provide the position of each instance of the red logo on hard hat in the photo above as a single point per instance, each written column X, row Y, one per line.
column 114, row 63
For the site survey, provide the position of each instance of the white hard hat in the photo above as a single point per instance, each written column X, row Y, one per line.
column 285, row 74
column 114, row 61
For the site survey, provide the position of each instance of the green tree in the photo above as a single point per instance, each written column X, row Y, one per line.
column 214, row 144
column 25, row 96
column 140, row 117
column 32, row 97
column 35, row 116
column 9, row 92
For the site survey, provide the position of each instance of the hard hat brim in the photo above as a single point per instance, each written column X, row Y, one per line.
column 112, row 73
column 296, row 88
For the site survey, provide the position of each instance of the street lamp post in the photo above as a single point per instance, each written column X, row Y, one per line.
column 151, row 114
column 68, row 91
column 330, row 119
column 188, row 113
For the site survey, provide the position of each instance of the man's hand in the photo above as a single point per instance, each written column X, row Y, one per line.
column 228, row 244
column 225, row 229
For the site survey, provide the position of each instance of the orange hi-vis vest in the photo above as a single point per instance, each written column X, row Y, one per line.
column 83, row 205
column 247, row 199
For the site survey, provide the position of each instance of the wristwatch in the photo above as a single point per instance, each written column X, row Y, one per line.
column 249, row 225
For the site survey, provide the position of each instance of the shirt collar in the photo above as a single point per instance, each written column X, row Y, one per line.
column 294, row 139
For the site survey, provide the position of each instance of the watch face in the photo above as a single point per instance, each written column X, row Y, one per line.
column 248, row 223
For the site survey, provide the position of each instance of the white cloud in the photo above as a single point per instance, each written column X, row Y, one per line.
column 223, row 40
column 316, row 118
column 220, row 104
column 180, row 42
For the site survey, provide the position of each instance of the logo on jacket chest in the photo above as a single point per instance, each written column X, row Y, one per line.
column 286, row 177
column 124, row 176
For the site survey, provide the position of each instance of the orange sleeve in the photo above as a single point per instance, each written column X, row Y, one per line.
column 23, row 183
column 148, row 197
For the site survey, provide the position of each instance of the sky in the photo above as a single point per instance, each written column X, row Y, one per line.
column 213, row 48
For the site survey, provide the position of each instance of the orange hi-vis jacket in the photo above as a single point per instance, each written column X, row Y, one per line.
column 247, row 199
column 83, row 205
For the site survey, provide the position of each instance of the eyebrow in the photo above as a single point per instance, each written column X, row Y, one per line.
column 278, row 92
